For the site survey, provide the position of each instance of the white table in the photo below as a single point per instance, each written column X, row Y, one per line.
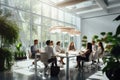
column 67, row 55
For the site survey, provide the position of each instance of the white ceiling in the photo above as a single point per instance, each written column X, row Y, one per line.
column 82, row 7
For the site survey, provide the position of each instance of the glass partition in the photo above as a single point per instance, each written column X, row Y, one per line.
column 35, row 17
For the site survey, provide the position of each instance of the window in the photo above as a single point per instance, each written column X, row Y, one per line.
column 68, row 18
column 24, row 33
column 46, row 21
column 60, row 15
column 46, row 10
column 36, row 6
column 54, row 13
column 36, row 19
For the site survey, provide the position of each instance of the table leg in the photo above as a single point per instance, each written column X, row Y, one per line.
column 35, row 67
column 67, row 67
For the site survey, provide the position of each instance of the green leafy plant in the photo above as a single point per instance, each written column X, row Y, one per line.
column 19, row 53
column 84, row 41
column 9, row 33
column 112, row 62
column 103, row 33
column 95, row 38
column 108, row 39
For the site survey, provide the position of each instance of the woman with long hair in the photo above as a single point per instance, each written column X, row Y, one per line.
column 71, row 47
column 85, row 55
column 100, row 50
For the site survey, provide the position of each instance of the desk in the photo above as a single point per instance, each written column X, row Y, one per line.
column 68, row 55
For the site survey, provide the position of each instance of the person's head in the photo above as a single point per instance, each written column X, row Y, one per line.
column 89, row 46
column 100, row 44
column 48, row 42
column 93, row 42
column 51, row 43
column 35, row 41
column 72, row 44
column 58, row 43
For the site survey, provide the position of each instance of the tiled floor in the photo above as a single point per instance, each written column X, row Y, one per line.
column 21, row 71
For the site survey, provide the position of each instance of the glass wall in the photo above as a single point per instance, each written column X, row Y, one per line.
column 35, row 17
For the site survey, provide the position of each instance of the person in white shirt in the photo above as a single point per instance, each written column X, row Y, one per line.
column 94, row 46
column 94, row 51
column 51, row 56
column 100, row 50
column 58, row 49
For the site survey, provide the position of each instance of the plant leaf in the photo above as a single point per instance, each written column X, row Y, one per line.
column 117, row 31
column 117, row 18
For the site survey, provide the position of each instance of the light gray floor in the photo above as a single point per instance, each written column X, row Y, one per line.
column 20, row 71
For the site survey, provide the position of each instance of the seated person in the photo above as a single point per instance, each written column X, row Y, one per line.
column 100, row 50
column 34, row 49
column 85, row 55
column 71, row 47
column 94, row 49
column 51, row 56
column 58, row 49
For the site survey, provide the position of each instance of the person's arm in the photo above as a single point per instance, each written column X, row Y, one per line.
column 85, row 52
column 58, row 49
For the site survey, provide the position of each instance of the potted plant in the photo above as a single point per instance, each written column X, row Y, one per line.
column 108, row 39
column 8, row 35
column 95, row 38
column 19, row 53
column 84, row 41
column 112, row 62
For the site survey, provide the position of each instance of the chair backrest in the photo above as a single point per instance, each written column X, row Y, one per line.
column 95, row 55
column 29, row 54
column 91, row 56
column 101, row 55
column 44, row 57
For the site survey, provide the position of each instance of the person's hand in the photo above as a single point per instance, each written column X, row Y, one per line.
column 83, row 55
column 38, row 51
column 56, row 55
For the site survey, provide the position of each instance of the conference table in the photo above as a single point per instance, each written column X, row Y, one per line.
column 67, row 55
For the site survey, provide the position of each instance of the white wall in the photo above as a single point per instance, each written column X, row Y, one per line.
column 78, row 38
column 95, row 25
